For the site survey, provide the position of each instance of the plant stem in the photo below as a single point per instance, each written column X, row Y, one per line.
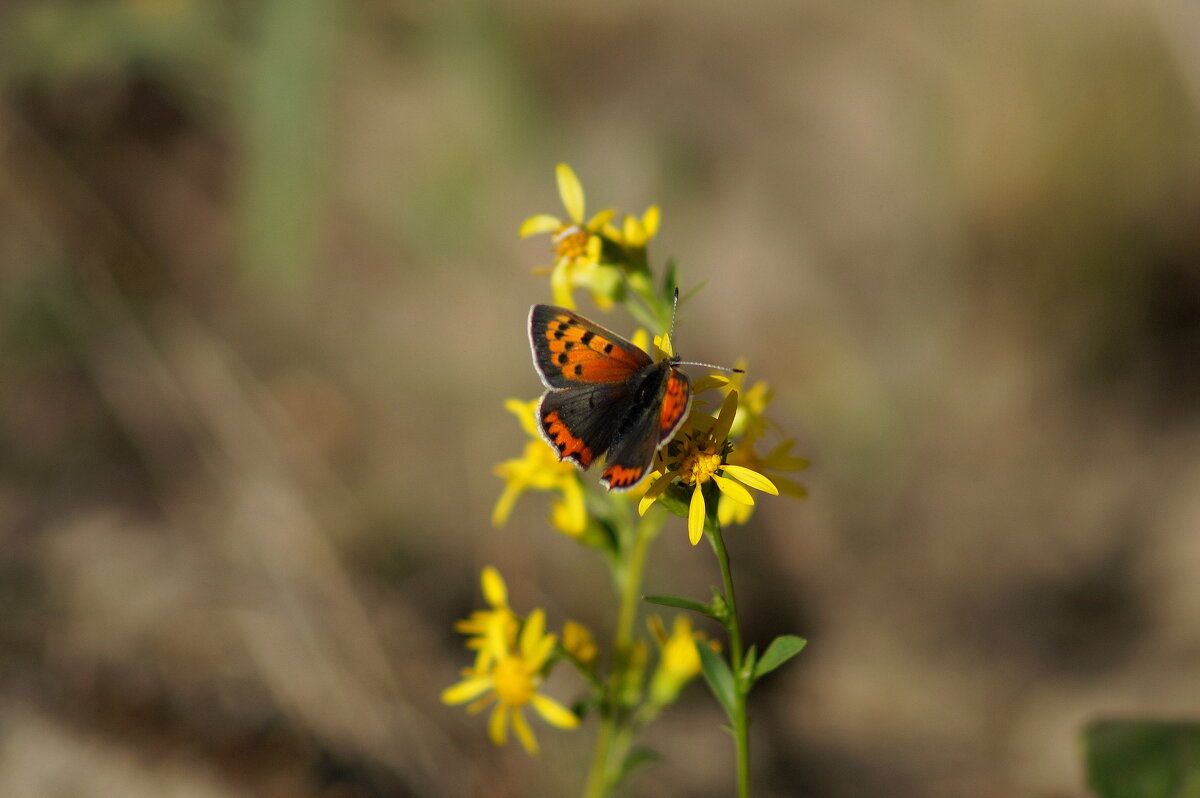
column 740, row 719
column 629, row 575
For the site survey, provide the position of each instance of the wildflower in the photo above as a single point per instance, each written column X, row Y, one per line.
column 480, row 622
column 578, row 642
column 636, row 233
column 749, row 427
column 540, row 469
column 701, row 458
column 578, row 246
column 509, row 678
column 679, row 662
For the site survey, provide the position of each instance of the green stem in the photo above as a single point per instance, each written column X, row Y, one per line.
column 597, row 781
column 602, row 773
column 740, row 719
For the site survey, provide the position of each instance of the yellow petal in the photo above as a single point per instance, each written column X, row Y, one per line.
column 633, row 235
column 467, row 689
column 696, row 516
column 641, row 338
column 578, row 641
column 790, row 488
column 554, row 713
column 594, row 247
column 504, row 504
column 531, row 632
column 720, row 430
column 571, row 192
column 656, row 489
column 541, row 652
column 542, row 223
column 569, row 514
column 560, row 285
column 733, row 490
column 525, row 413
column 524, row 733
column 650, row 221
column 494, row 589
column 785, row 462
column 498, row 725
column 751, row 478
column 725, row 510
column 730, row 512
column 709, row 382
column 496, row 639
column 601, row 220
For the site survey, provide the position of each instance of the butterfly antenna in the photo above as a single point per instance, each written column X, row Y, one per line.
column 674, row 310
column 710, row 366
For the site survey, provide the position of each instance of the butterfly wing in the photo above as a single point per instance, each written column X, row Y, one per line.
column 570, row 351
column 652, row 424
column 605, row 395
column 580, row 423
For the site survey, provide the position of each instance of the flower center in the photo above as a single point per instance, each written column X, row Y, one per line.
column 513, row 681
column 570, row 243
column 699, row 467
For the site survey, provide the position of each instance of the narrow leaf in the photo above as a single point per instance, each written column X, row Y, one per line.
column 780, row 651
column 719, row 678
column 638, row 758
column 683, row 604
column 750, row 662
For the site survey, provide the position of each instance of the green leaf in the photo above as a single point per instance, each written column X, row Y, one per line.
column 717, row 674
column 683, row 604
column 719, row 605
column 780, row 651
column 638, row 758
column 749, row 662
column 1143, row 758
column 670, row 280
column 695, row 290
column 644, row 317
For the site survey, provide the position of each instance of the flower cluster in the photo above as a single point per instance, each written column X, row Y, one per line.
column 513, row 657
column 611, row 263
column 705, row 473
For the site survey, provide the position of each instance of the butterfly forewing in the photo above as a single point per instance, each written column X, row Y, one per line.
column 569, row 350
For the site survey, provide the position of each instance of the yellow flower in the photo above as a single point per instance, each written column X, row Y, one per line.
column 578, row 246
column 540, row 469
column 702, row 458
column 636, row 233
column 480, row 623
column 509, row 679
column 679, row 662
column 749, row 427
column 577, row 640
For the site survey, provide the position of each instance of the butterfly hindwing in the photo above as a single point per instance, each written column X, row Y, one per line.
column 652, row 422
column 580, row 423
column 569, row 350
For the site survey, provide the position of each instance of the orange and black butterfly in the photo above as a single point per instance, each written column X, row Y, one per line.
column 604, row 396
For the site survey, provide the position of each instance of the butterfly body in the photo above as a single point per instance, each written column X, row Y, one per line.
column 604, row 396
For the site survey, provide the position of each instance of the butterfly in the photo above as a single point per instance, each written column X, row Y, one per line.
column 604, row 396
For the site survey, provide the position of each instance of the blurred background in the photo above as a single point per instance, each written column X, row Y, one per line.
column 262, row 300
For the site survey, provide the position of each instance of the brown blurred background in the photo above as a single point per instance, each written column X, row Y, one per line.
column 262, row 299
